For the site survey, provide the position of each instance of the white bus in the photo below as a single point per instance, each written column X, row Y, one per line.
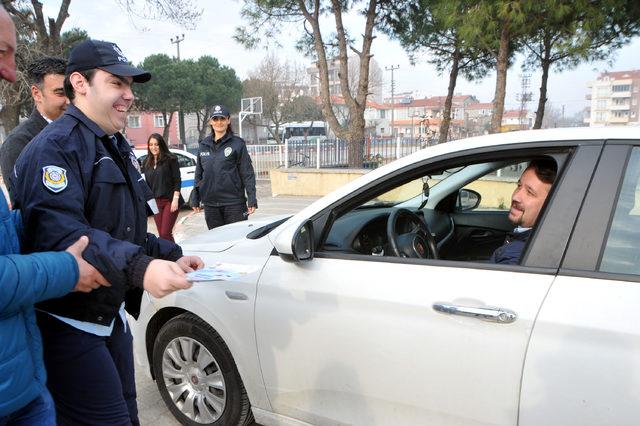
column 303, row 130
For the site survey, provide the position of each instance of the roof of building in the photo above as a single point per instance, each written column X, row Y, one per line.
column 620, row 75
column 481, row 105
column 513, row 113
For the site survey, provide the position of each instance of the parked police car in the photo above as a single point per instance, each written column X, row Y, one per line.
column 187, row 163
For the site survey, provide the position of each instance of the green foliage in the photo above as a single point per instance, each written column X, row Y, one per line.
column 431, row 29
column 194, row 85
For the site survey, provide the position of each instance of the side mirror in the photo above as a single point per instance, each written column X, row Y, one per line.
column 468, row 199
column 302, row 244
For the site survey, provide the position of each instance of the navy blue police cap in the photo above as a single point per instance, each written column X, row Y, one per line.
column 107, row 56
column 219, row 111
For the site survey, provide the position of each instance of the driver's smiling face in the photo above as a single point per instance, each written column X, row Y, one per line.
column 528, row 198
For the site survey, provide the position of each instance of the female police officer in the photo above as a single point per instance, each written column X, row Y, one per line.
column 223, row 174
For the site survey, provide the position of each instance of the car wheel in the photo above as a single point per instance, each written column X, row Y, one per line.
column 196, row 375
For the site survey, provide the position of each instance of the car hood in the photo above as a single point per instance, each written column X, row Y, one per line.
column 227, row 236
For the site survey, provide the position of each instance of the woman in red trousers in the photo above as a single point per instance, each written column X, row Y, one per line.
column 162, row 173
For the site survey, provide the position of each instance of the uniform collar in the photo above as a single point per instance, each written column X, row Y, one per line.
column 74, row 112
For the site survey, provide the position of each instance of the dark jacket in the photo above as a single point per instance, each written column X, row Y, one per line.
column 15, row 143
column 510, row 252
column 24, row 280
column 73, row 181
column 165, row 179
column 224, row 173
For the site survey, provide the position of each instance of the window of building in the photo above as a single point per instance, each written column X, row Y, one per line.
column 602, row 91
column 158, row 120
column 601, row 104
column 621, row 88
column 133, row 122
column 600, row 116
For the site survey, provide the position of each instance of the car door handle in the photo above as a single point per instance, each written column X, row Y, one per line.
column 488, row 313
column 190, row 173
column 481, row 234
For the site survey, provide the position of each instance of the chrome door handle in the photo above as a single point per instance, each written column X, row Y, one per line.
column 499, row 315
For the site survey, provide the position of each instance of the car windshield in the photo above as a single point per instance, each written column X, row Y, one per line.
column 409, row 190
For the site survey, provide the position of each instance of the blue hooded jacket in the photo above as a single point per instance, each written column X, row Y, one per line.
column 25, row 280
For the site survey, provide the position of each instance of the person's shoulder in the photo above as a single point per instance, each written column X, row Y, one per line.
column 237, row 139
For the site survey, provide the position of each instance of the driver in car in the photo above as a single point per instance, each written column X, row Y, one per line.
column 526, row 202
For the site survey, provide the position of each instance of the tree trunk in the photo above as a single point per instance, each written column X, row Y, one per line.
column 446, row 115
column 167, row 126
column 10, row 117
column 502, row 64
column 542, row 101
column 355, row 141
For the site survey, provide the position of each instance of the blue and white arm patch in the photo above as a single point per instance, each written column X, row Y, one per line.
column 54, row 178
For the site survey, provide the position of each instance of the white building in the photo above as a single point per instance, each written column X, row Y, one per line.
column 614, row 99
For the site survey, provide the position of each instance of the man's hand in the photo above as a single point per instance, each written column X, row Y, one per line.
column 190, row 263
column 197, row 209
column 163, row 277
column 88, row 278
column 251, row 210
column 174, row 205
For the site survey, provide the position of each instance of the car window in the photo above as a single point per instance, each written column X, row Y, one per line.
column 622, row 249
column 410, row 189
column 496, row 187
column 184, row 161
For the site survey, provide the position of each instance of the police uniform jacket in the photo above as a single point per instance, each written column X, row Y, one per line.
column 224, row 173
column 74, row 180
column 15, row 143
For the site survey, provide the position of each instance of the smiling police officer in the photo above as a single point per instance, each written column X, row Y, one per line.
column 77, row 177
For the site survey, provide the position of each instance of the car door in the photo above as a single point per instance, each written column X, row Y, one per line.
column 366, row 340
column 187, row 174
column 582, row 366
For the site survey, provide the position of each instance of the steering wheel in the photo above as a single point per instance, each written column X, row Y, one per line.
column 418, row 243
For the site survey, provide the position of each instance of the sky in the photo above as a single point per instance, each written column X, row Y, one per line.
column 212, row 35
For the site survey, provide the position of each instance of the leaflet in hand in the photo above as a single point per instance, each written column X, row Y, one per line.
column 220, row 272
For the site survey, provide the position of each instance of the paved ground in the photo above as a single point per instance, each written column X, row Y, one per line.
column 151, row 408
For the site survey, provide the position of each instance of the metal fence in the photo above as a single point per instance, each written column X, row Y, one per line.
column 327, row 154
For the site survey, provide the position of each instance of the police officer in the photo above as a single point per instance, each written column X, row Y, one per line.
column 223, row 174
column 77, row 177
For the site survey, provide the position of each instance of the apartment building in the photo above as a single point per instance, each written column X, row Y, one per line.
column 614, row 99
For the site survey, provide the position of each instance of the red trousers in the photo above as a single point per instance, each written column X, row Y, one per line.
column 165, row 219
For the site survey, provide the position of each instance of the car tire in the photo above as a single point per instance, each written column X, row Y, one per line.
column 196, row 375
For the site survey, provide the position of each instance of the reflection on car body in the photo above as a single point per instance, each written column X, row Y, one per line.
column 373, row 329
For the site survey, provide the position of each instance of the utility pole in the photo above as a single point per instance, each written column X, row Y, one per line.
column 176, row 41
column 524, row 97
column 392, row 68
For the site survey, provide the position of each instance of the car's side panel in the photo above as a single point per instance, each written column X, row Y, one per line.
column 228, row 307
column 358, row 342
column 582, row 366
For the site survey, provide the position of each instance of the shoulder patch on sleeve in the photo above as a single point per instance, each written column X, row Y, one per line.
column 54, row 178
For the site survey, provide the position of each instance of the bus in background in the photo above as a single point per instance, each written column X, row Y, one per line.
column 310, row 131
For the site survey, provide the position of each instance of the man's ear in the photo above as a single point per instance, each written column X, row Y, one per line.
column 36, row 94
column 79, row 83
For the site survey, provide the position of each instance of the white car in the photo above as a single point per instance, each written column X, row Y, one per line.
column 345, row 315
column 187, row 163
